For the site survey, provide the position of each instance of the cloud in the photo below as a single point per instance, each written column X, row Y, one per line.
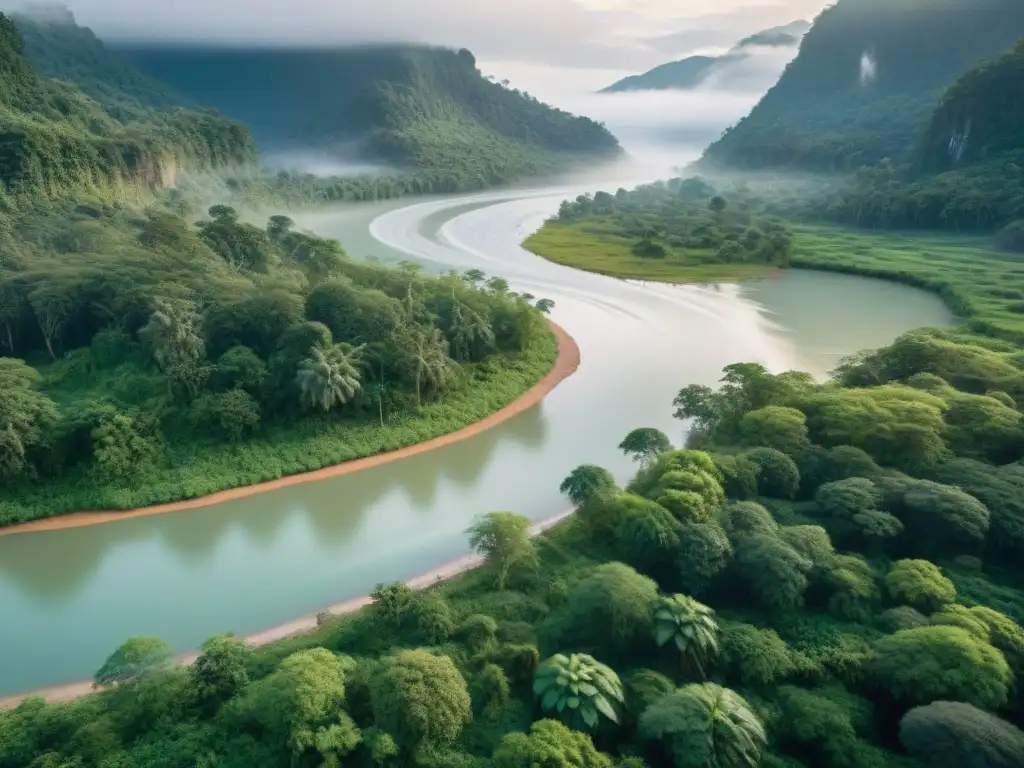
column 616, row 34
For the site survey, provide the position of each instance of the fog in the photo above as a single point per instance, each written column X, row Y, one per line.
column 631, row 34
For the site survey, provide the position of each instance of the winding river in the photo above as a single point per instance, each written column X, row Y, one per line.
column 70, row 596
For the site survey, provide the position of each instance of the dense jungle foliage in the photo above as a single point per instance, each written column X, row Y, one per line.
column 865, row 83
column 829, row 575
column 57, row 141
column 428, row 111
column 168, row 361
column 676, row 229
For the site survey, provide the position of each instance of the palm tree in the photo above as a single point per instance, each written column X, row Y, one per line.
column 469, row 331
column 329, row 377
column 427, row 354
column 578, row 689
column 690, row 625
column 705, row 724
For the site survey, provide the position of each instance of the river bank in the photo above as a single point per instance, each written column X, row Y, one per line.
column 566, row 363
column 295, row 627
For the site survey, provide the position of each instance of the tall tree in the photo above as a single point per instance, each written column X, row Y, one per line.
column 503, row 538
column 329, row 377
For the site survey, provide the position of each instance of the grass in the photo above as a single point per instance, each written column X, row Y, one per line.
column 197, row 469
column 980, row 284
column 595, row 247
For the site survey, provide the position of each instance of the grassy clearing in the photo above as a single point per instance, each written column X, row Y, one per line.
column 982, row 285
column 595, row 247
column 196, row 468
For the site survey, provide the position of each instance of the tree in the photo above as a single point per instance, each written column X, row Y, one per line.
column 26, row 416
column 426, row 354
column 936, row 663
column 690, row 626
column 942, row 518
column 545, row 306
column 585, row 482
column 578, row 689
column 329, row 377
column 549, row 744
column 920, row 584
column 753, row 656
column 392, row 602
column 644, row 445
column 53, row 303
column 772, row 570
column 1005, row 634
column 951, row 734
column 649, row 539
column 503, row 538
column 220, row 671
column 135, row 659
column 173, row 334
column 609, row 611
column 784, row 429
column 299, row 704
column 223, row 213
column 279, row 226
column 704, row 552
column 420, row 699
column 470, row 333
column 125, row 446
column 705, row 726
column 739, row 518
column 718, row 204
column 777, row 474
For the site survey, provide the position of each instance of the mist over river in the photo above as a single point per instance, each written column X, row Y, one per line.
column 71, row 596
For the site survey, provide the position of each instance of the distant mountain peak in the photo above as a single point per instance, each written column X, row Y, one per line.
column 690, row 72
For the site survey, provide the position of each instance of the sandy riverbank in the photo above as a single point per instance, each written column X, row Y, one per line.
column 300, row 626
column 565, row 365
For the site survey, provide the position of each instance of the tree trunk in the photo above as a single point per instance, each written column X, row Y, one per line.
column 10, row 338
column 49, row 347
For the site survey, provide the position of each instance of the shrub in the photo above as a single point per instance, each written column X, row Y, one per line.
column 920, row 584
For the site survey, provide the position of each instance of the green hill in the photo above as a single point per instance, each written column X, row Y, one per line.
column 692, row 71
column 866, row 80
column 419, row 108
column 56, row 140
column 59, row 48
column 980, row 117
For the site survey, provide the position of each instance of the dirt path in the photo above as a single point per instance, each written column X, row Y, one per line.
column 565, row 365
column 294, row 628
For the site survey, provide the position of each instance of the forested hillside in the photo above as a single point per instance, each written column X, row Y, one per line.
column 59, row 48
column 426, row 110
column 980, row 117
column 56, row 140
column 865, row 83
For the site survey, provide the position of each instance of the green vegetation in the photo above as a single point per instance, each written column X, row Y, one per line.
column 820, row 633
column 672, row 231
column 865, row 83
column 427, row 111
column 171, row 362
column 58, row 142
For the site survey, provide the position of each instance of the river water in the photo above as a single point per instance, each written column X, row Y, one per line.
column 70, row 597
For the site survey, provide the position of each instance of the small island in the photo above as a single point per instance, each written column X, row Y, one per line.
column 676, row 231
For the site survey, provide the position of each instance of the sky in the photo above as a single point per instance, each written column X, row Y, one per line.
column 630, row 35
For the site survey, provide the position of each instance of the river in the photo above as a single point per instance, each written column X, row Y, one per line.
column 70, row 597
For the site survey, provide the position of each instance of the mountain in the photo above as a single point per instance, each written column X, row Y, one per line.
column 980, row 117
column 865, row 82
column 59, row 48
column 56, row 140
column 422, row 109
column 692, row 71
